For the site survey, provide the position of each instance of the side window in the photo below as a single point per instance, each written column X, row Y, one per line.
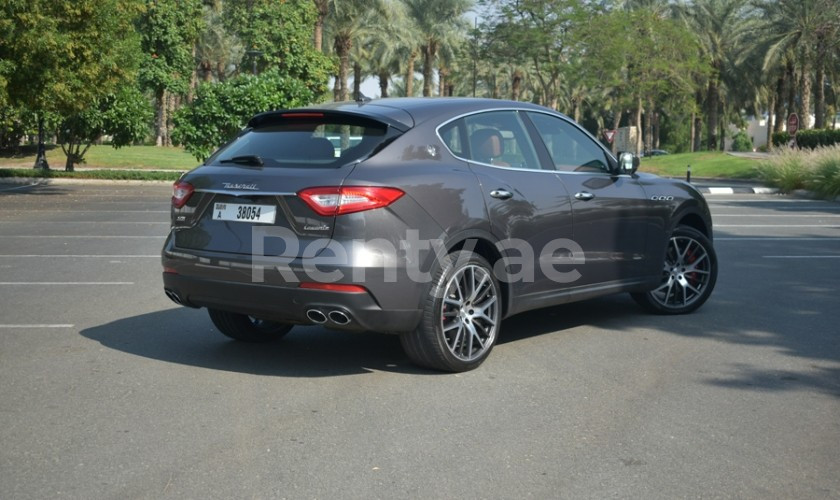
column 571, row 150
column 451, row 135
column 496, row 138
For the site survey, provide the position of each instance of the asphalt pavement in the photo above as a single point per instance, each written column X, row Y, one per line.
column 109, row 390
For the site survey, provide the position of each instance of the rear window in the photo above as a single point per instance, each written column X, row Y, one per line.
column 309, row 142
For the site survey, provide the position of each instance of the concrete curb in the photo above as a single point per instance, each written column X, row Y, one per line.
column 737, row 190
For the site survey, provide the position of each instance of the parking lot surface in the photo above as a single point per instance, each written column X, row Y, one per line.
column 109, row 390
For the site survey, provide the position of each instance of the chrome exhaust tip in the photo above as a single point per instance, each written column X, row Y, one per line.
column 316, row 316
column 339, row 317
column 174, row 297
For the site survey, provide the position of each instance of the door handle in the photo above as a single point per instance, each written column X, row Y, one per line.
column 584, row 196
column 501, row 194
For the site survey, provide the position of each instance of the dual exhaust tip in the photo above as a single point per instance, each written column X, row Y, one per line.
column 335, row 316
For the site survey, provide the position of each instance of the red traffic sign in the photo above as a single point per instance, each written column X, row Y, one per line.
column 609, row 135
column 792, row 123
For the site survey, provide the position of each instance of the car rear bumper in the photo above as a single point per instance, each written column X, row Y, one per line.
column 290, row 304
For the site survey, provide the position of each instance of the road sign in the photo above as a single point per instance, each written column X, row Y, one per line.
column 609, row 135
column 792, row 123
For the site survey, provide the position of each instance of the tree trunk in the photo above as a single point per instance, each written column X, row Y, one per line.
column 656, row 129
column 638, row 123
column 712, row 104
column 409, row 74
column 443, row 73
column 322, row 8
column 770, row 106
column 805, row 96
column 698, row 133
column 819, row 105
column 357, row 81
column 516, row 85
column 342, row 46
column 576, row 109
column 780, row 103
column 648, row 138
column 160, row 115
column 383, row 83
column 335, row 89
column 790, row 79
column 691, row 145
column 41, row 158
column 429, row 52
column 616, row 124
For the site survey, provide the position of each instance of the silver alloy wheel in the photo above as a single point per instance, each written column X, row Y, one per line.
column 685, row 275
column 470, row 313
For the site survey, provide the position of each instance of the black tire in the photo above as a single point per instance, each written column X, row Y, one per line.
column 461, row 321
column 689, row 274
column 246, row 328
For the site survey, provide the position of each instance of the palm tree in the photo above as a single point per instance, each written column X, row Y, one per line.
column 348, row 20
column 392, row 46
column 217, row 49
column 803, row 30
column 435, row 19
column 722, row 26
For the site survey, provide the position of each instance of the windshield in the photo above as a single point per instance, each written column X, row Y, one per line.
column 313, row 142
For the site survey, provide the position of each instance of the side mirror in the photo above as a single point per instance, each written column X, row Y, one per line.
column 628, row 163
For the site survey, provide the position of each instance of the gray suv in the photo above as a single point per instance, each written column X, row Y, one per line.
column 433, row 219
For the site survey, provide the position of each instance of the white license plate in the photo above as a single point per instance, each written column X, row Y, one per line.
column 244, row 213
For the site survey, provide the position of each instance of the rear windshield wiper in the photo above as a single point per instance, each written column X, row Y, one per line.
column 245, row 160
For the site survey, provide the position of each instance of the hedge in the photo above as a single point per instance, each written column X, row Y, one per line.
column 809, row 138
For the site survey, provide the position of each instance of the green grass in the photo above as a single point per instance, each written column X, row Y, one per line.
column 712, row 164
column 135, row 157
column 135, row 175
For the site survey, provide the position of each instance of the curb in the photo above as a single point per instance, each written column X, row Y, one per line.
column 737, row 190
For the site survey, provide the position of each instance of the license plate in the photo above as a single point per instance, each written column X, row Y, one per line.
column 264, row 214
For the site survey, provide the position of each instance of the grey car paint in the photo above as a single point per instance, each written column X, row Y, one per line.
column 622, row 230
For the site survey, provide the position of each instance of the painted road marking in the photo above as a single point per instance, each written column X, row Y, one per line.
column 74, row 283
column 37, row 326
column 100, row 237
column 91, row 256
column 802, row 256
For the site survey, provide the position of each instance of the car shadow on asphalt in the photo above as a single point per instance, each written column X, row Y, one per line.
column 186, row 336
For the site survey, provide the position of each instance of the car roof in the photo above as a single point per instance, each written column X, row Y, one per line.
column 407, row 112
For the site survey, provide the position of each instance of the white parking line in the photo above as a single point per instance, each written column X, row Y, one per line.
column 92, row 237
column 60, row 256
column 778, row 225
column 776, row 238
column 18, row 187
column 774, row 215
column 37, row 326
column 30, row 223
column 74, row 283
column 802, row 256
column 98, row 211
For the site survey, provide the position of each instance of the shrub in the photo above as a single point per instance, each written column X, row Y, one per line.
column 741, row 142
column 220, row 110
column 826, row 172
column 780, row 139
column 787, row 169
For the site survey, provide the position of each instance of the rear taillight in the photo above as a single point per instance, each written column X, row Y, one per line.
column 348, row 199
column 181, row 192
column 333, row 287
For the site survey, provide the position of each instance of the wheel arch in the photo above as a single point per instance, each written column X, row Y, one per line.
column 486, row 245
